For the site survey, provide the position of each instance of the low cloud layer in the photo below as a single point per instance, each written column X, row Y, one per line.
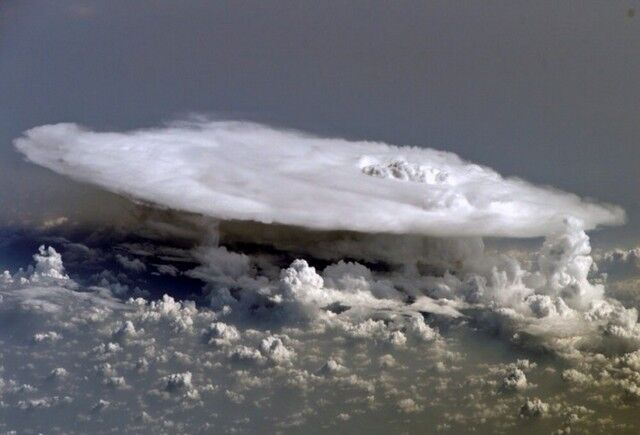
column 338, row 348
column 243, row 171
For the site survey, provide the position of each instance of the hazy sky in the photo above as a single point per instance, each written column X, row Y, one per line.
column 547, row 91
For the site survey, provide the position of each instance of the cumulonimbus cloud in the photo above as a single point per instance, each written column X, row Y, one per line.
column 246, row 171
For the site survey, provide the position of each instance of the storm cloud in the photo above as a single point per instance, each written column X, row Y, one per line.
column 237, row 170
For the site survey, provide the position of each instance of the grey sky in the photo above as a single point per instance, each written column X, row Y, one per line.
column 547, row 91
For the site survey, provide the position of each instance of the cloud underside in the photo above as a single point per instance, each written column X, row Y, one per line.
column 243, row 171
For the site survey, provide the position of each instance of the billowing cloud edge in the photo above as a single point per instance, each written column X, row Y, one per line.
column 247, row 171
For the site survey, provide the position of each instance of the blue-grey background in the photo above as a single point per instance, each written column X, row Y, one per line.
column 548, row 91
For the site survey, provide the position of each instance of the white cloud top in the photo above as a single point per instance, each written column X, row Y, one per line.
column 245, row 171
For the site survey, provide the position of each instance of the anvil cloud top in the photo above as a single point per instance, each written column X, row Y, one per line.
column 237, row 170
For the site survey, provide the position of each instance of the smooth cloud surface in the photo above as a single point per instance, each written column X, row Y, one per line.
column 236, row 170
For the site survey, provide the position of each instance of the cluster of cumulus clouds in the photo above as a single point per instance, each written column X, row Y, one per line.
column 379, row 327
column 78, row 354
column 283, row 358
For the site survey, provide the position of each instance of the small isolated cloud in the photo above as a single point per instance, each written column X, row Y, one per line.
column 132, row 264
column 167, row 269
column 409, row 406
column 534, row 408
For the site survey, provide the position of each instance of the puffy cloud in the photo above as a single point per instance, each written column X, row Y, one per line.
column 405, row 171
column 534, row 408
column 274, row 349
column 619, row 263
column 167, row 269
column 58, row 373
column 515, row 380
column 177, row 382
column 565, row 263
column 43, row 403
column 387, row 361
column 125, row 331
column 100, row 406
column 48, row 265
column 46, row 337
column 576, row 377
column 221, row 334
column 179, row 316
column 408, row 406
column 235, row 170
column 332, row 368
column 245, row 353
column 132, row 264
